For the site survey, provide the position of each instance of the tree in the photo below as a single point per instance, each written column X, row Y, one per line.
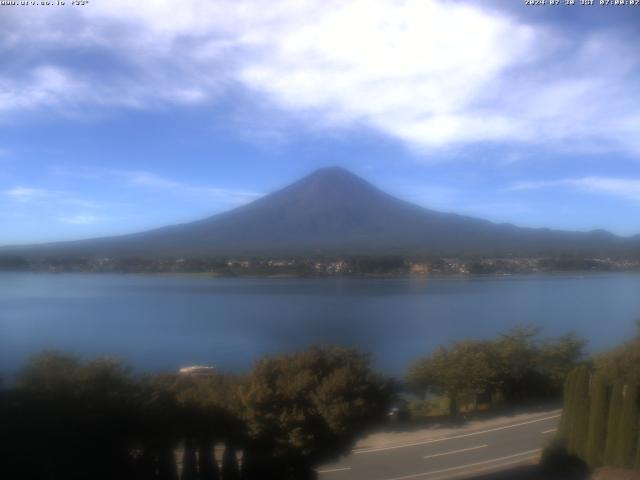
column 462, row 372
column 517, row 358
column 83, row 413
column 628, row 428
column 613, row 424
column 423, row 375
column 580, row 416
column 566, row 420
column 308, row 407
column 559, row 356
column 517, row 365
column 623, row 362
column 50, row 372
column 597, row 420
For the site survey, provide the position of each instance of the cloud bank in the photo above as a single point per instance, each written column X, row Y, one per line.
column 628, row 189
column 431, row 74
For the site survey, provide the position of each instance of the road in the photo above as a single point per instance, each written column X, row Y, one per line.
column 459, row 455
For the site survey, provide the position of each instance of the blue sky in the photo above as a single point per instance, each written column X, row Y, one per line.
column 115, row 119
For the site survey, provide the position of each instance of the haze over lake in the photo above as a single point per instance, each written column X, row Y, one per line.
column 165, row 322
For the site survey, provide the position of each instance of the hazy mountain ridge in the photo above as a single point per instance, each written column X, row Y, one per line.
column 333, row 211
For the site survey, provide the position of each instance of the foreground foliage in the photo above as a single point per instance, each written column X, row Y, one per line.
column 516, row 367
column 68, row 419
column 601, row 416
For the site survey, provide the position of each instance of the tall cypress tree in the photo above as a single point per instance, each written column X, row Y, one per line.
column 628, row 428
column 564, row 431
column 580, row 415
column 615, row 410
column 597, row 420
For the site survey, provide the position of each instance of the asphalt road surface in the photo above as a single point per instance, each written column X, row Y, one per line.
column 455, row 456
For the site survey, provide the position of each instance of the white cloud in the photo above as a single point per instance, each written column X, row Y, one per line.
column 30, row 194
column 151, row 180
column 430, row 73
column 619, row 187
column 27, row 194
column 79, row 219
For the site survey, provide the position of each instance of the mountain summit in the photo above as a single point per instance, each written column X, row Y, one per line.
column 333, row 211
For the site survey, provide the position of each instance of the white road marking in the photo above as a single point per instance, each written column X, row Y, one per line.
column 332, row 470
column 469, row 465
column 426, row 442
column 551, row 430
column 489, row 468
column 455, row 451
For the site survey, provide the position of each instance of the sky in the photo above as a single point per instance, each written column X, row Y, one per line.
column 117, row 117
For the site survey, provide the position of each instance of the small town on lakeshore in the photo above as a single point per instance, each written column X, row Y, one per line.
column 327, row 266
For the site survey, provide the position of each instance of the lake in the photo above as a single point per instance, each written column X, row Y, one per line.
column 165, row 322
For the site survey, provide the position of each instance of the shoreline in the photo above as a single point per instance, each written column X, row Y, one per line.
column 434, row 276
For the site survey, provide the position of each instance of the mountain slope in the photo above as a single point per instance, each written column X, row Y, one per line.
column 334, row 211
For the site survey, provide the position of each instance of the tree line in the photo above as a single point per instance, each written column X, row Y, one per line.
column 73, row 419
column 68, row 419
column 516, row 367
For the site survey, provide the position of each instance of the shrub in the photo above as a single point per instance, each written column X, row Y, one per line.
column 556, row 460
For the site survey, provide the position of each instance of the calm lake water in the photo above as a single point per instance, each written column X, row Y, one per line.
column 165, row 322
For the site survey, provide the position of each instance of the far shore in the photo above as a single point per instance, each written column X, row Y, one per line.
column 285, row 276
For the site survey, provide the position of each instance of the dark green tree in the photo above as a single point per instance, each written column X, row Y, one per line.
column 517, row 363
column 597, row 420
column 613, row 424
column 623, row 362
column 558, row 357
column 580, row 416
column 308, row 407
column 51, row 372
column 566, row 421
column 423, row 375
column 628, row 428
column 462, row 373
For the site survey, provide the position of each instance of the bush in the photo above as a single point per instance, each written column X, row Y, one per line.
column 309, row 406
column 556, row 460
